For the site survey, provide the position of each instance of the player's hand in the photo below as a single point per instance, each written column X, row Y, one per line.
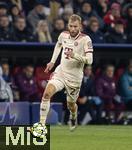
column 50, row 65
column 69, row 54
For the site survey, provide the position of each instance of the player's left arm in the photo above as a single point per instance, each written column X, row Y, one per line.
column 88, row 49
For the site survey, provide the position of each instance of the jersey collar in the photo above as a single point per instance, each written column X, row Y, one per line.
column 74, row 38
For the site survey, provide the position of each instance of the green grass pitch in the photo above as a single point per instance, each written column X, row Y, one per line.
column 91, row 138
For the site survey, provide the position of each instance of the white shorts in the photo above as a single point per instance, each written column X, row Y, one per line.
column 72, row 88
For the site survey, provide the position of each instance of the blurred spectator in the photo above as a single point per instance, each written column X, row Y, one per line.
column 21, row 31
column 7, row 3
column 28, row 5
column 102, row 7
column 35, row 15
column 7, row 76
column 87, row 12
column 15, row 12
column 113, row 15
column 27, row 85
column 107, row 91
column 58, row 27
column 93, row 30
column 117, row 34
column 65, row 4
column 54, row 10
column 46, row 5
column 43, row 32
column 45, row 2
column 5, row 29
column 6, row 72
column 41, row 79
column 5, row 90
column 120, row 1
column 87, row 87
column 129, row 24
column 126, row 5
column 87, row 101
column 125, row 86
column 77, row 5
column 127, row 1
column 3, row 9
column 66, row 15
column 18, row 3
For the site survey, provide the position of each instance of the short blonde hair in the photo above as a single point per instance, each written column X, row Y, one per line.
column 75, row 17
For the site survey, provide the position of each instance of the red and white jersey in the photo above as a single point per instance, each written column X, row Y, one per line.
column 71, row 68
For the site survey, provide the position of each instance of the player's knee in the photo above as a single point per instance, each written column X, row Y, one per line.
column 71, row 106
column 47, row 95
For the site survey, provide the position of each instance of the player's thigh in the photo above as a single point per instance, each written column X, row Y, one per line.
column 72, row 94
column 52, row 87
column 49, row 91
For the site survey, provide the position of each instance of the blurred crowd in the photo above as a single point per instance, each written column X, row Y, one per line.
column 108, row 88
column 105, row 21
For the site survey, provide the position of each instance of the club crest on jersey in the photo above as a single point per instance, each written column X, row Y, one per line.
column 76, row 44
column 89, row 45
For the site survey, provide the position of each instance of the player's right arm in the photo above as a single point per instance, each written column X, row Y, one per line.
column 55, row 55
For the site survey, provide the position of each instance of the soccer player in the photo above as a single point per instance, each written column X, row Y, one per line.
column 77, row 50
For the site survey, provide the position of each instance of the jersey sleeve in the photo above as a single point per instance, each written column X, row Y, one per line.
column 88, row 50
column 88, row 46
column 60, row 39
column 57, row 49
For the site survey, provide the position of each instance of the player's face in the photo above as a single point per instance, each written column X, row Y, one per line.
column 74, row 28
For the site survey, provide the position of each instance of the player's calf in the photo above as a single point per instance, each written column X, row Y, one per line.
column 45, row 103
column 73, row 109
column 73, row 115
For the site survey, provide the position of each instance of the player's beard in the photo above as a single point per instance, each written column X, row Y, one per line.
column 74, row 34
